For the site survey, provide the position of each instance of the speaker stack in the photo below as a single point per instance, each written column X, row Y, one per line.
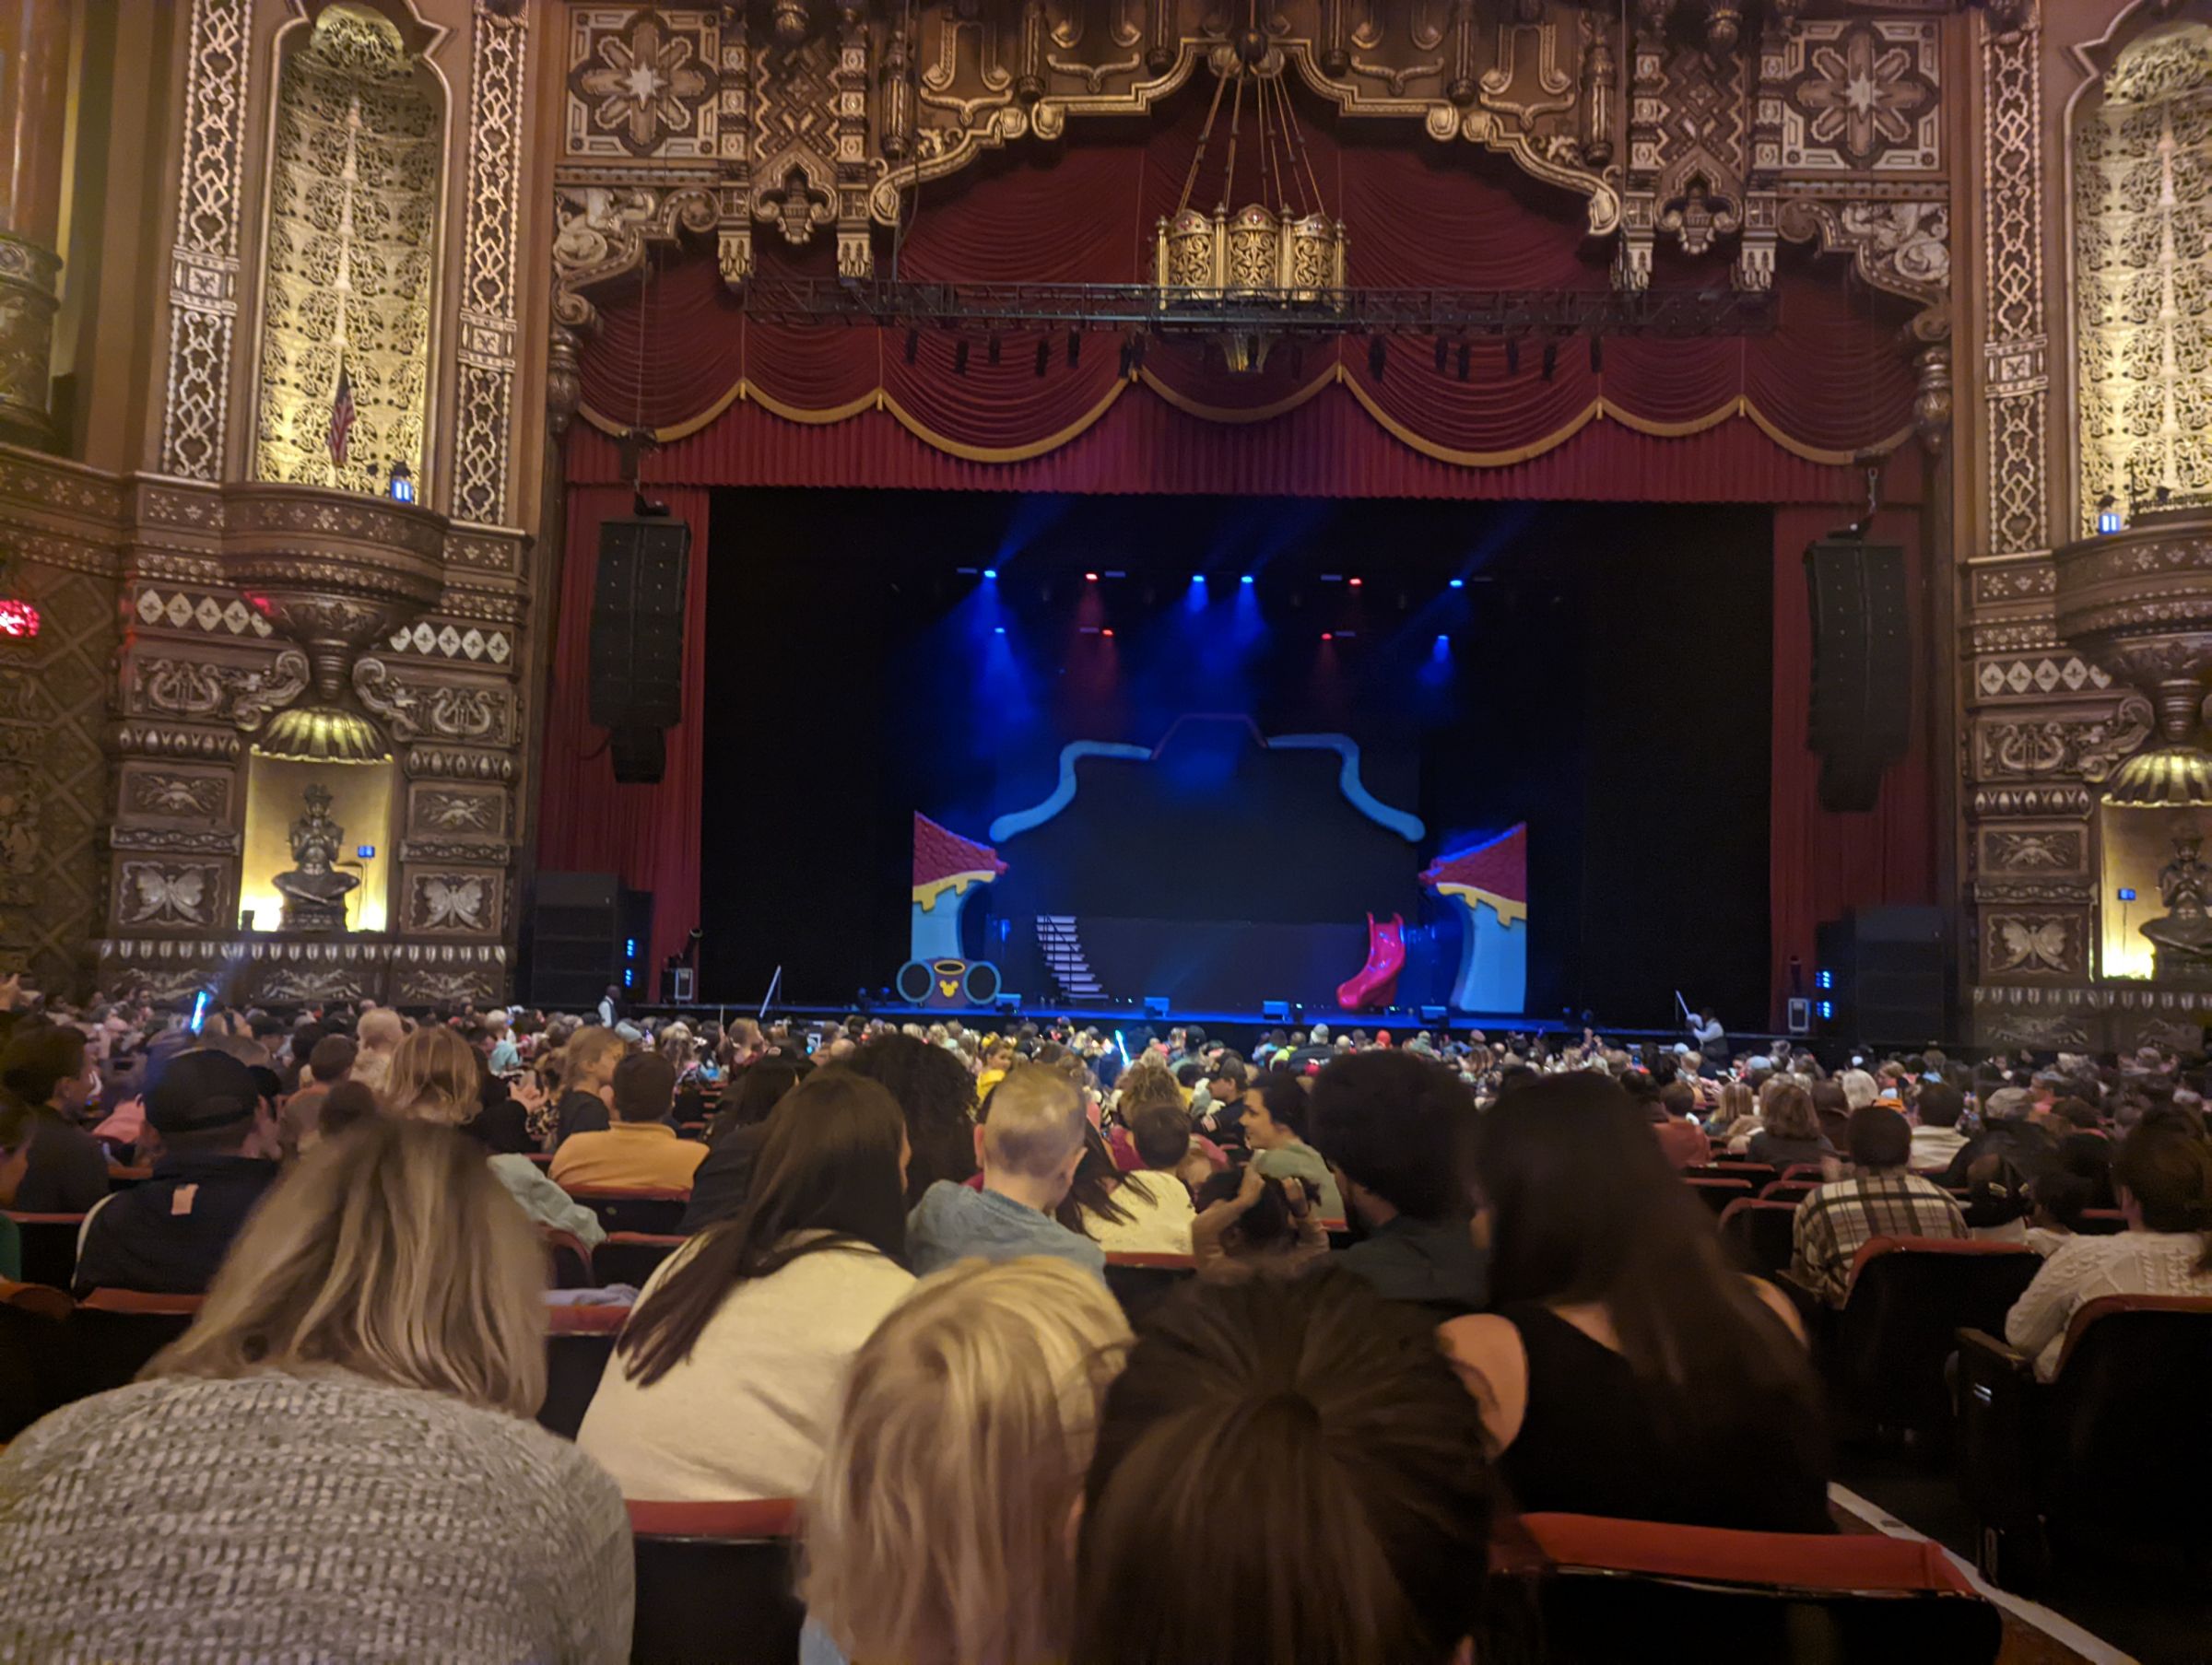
column 1862, row 672
column 636, row 649
column 587, row 930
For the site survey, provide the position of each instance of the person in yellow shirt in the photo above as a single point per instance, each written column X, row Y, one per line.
column 640, row 1148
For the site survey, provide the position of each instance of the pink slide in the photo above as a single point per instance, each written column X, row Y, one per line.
column 1377, row 982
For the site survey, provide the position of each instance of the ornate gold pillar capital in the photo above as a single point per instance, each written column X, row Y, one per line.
column 29, row 297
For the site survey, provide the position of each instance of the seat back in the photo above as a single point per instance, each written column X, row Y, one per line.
column 49, row 1246
column 1140, row 1281
column 1758, row 1173
column 715, row 1583
column 568, row 1260
column 114, row 1334
column 1759, row 1233
column 2101, row 1223
column 1788, row 1191
column 1805, row 1170
column 31, row 1354
column 1609, row 1588
column 631, row 1257
column 655, row 1211
column 1717, row 1194
column 2122, row 1444
column 1908, row 1299
column 579, row 1341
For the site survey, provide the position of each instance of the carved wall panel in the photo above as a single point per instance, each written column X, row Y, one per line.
column 2016, row 378
column 203, row 285
column 484, row 399
column 463, row 903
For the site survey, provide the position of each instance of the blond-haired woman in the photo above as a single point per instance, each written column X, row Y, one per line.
column 378, row 1034
column 587, row 1082
column 336, row 1461
column 435, row 1077
column 940, row 1532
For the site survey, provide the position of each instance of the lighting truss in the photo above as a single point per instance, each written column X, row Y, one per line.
column 1538, row 314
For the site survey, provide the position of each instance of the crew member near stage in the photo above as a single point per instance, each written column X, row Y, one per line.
column 1710, row 1039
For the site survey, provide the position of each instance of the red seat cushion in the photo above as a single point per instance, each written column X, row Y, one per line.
column 1797, row 1561
column 750, row 1518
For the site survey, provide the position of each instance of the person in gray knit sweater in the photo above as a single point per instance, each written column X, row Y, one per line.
column 335, row 1462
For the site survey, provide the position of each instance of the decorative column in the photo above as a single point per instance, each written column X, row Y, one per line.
column 34, row 66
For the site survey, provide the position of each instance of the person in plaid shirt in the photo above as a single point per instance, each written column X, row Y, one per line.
column 1880, row 1200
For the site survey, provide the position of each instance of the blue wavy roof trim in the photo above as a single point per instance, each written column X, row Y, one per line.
column 1407, row 828
column 1064, row 794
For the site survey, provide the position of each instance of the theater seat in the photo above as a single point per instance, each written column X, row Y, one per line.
column 579, row 1341
column 2112, row 1448
column 1754, row 1174
column 631, row 1257
column 31, row 1354
column 49, row 1246
column 1806, row 1171
column 569, row 1260
column 1788, row 1191
column 1140, row 1281
column 715, row 1584
column 1907, row 1300
column 1759, row 1233
column 655, row 1210
column 114, row 1334
column 2101, row 1223
column 1610, row 1590
column 1717, row 1194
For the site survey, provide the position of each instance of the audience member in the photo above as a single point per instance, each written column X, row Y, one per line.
column 639, row 1149
column 1623, row 1351
column 1286, row 1474
column 721, row 1182
column 586, row 1081
column 2163, row 1176
column 1790, row 1129
column 725, row 1379
column 937, row 1096
column 329, row 1061
column 1028, row 1151
column 1880, row 1200
column 939, row 1532
column 1143, row 1211
column 65, row 1172
column 1226, row 1083
column 1395, row 1128
column 337, row 1460
column 2008, row 1139
column 14, row 1156
column 1275, row 1128
column 1678, row 1134
column 1937, row 1139
column 344, row 1106
column 434, row 1078
column 1248, row 1225
column 169, row 1233
column 378, row 1034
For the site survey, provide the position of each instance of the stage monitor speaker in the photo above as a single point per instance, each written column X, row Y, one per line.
column 1885, row 972
column 637, row 637
column 587, row 930
column 1861, row 715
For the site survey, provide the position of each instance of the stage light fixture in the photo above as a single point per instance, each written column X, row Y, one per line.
column 1551, row 360
column 1328, row 636
column 959, row 357
column 1459, row 584
column 913, row 345
column 990, row 572
column 1198, row 579
column 1245, row 579
column 998, row 629
column 1354, row 582
column 1044, row 356
column 1090, row 577
column 1107, row 632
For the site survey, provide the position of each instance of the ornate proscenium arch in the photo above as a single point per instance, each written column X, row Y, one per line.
column 1720, row 135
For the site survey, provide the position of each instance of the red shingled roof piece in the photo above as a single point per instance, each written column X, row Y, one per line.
column 1499, row 867
column 940, row 853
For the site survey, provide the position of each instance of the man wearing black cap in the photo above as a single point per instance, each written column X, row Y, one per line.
column 169, row 1234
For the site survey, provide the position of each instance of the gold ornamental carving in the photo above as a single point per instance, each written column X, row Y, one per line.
column 203, row 284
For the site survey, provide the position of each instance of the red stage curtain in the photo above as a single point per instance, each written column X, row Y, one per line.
column 675, row 352
column 648, row 835
column 1820, row 862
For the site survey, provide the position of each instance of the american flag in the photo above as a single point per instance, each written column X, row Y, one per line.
column 341, row 416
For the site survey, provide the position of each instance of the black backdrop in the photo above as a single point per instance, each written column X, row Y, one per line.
column 1608, row 683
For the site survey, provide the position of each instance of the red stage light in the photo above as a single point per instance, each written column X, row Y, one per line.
column 1328, row 636
column 1355, row 583
column 1090, row 577
column 1105, row 632
column 18, row 620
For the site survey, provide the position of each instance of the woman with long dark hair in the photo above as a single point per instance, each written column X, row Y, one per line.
column 1623, row 1354
column 724, row 1381
column 725, row 1180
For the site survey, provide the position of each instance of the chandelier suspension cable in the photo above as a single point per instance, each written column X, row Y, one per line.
column 1236, row 123
column 1304, row 155
column 1287, row 168
column 1205, row 134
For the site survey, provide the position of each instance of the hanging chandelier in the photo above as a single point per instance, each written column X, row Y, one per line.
column 1282, row 248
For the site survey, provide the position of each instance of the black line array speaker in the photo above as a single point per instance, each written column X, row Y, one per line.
column 1887, row 968
column 636, row 649
column 587, row 929
column 1862, row 671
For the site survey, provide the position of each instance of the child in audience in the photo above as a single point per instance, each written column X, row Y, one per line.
column 940, row 1531
column 1287, row 1472
column 337, row 1460
column 1248, row 1225
column 725, row 1379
